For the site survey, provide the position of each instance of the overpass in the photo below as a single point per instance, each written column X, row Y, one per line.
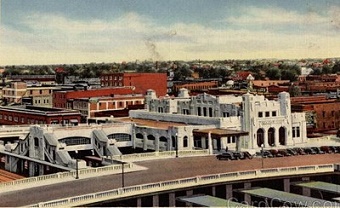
column 165, row 176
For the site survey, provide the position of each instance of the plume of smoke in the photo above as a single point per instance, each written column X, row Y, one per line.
column 151, row 46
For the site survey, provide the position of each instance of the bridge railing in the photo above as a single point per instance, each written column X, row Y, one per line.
column 64, row 175
column 157, row 155
column 183, row 183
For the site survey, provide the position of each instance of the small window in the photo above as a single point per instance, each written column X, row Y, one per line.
column 267, row 114
column 273, row 113
column 260, row 114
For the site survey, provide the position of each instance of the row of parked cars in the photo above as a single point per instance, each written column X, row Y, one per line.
column 230, row 155
column 299, row 151
column 234, row 155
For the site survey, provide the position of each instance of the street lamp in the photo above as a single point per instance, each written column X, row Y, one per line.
column 262, row 153
column 77, row 168
column 123, row 179
column 176, row 140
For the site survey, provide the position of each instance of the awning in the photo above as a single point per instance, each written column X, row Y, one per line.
column 73, row 121
column 210, row 201
column 216, row 132
column 290, row 199
column 323, row 186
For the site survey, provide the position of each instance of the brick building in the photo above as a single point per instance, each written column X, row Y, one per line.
column 95, row 106
column 322, row 114
column 194, row 86
column 37, row 94
column 19, row 115
column 61, row 99
column 140, row 81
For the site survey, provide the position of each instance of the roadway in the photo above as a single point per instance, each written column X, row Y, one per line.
column 158, row 170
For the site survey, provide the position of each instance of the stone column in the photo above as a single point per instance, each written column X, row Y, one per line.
column 238, row 143
column 265, row 138
column 286, row 185
column 155, row 200
column 145, row 141
column 139, row 202
column 247, row 197
column 172, row 199
column 306, row 191
column 213, row 191
column 229, row 191
column 157, row 143
column 189, row 193
column 210, row 144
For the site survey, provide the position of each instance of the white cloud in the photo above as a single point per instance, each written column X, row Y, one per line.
column 57, row 39
column 276, row 16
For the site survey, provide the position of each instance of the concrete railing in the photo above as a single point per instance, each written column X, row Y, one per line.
column 64, row 175
column 183, row 183
column 158, row 155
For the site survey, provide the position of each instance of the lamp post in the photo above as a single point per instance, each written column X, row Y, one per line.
column 77, row 168
column 77, row 173
column 262, row 153
column 123, row 179
column 176, row 140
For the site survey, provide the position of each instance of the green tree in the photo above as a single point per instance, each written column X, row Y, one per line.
column 294, row 91
column 290, row 75
column 326, row 69
column 273, row 73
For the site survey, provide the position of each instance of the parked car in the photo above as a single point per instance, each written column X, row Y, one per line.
column 334, row 149
column 239, row 155
column 299, row 150
column 292, row 151
column 225, row 156
column 247, row 155
column 266, row 153
column 318, row 150
column 284, row 152
column 309, row 151
column 275, row 153
column 326, row 149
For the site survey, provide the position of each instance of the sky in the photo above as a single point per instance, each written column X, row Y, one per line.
column 35, row 32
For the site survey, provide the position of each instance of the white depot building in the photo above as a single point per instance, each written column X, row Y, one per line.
column 216, row 122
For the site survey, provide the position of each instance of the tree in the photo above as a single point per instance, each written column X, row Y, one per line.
column 290, row 75
column 326, row 69
column 294, row 91
column 273, row 73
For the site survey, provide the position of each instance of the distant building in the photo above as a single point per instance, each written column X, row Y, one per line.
column 322, row 114
column 43, row 79
column 19, row 115
column 94, row 106
column 28, row 93
column 61, row 99
column 140, row 81
column 198, row 86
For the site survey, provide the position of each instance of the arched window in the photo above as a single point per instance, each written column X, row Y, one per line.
column 282, row 136
column 260, row 137
column 271, row 136
column 185, row 141
column 139, row 136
